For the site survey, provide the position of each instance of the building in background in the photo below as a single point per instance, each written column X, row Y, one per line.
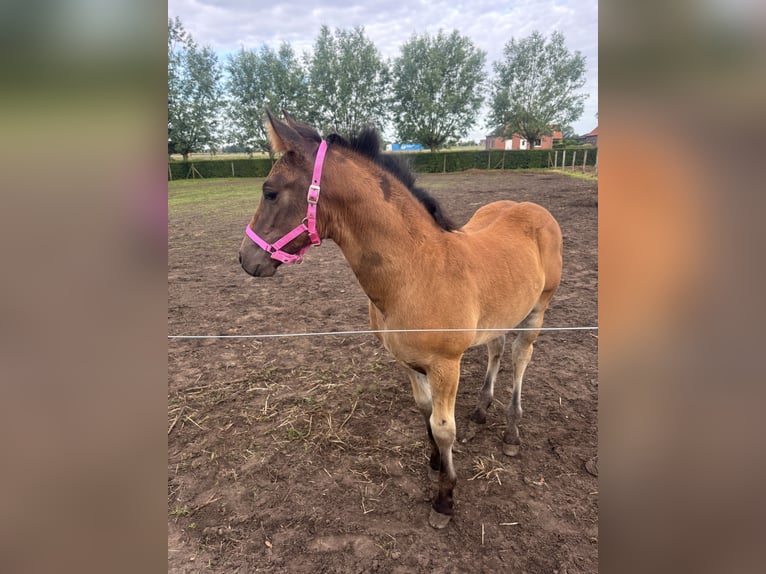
column 518, row 142
column 591, row 138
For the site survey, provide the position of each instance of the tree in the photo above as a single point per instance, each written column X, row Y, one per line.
column 257, row 80
column 536, row 87
column 567, row 132
column 437, row 90
column 348, row 81
column 194, row 93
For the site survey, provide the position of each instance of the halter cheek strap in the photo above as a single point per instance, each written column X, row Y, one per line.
column 308, row 225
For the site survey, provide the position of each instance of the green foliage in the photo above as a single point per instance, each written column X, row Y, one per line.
column 348, row 82
column 432, row 91
column 536, row 86
column 438, row 162
column 570, row 143
column 495, row 159
column 437, row 88
column 194, row 93
column 258, row 80
column 568, row 133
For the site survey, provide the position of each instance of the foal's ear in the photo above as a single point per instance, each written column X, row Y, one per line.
column 304, row 130
column 289, row 117
column 283, row 137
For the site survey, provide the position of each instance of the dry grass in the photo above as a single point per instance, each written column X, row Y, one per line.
column 487, row 468
column 313, row 409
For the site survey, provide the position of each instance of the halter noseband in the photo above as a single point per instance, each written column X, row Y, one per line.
column 309, row 223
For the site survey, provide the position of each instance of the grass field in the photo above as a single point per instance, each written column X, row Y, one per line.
column 224, row 192
column 247, row 191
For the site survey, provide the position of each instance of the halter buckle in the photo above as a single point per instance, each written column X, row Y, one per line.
column 313, row 198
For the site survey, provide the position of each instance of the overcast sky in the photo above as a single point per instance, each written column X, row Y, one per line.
column 227, row 25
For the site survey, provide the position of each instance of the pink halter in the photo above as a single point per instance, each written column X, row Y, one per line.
column 309, row 223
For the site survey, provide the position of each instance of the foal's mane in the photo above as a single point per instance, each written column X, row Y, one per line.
column 367, row 143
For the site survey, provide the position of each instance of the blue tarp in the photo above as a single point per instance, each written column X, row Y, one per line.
column 406, row 147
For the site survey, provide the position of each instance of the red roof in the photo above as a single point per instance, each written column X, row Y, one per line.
column 593, row 132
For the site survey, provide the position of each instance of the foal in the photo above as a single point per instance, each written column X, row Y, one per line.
column 498, row 271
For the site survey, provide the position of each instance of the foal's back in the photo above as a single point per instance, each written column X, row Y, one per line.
column 517, row 239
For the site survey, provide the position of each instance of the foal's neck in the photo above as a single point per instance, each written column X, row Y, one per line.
column 385, row 233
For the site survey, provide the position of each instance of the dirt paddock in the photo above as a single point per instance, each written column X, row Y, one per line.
column 308, row 454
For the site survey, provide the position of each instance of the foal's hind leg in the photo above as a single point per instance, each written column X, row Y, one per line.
column 494, row 351
column 521, row 353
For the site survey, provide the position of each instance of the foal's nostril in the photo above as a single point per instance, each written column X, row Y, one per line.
column 240, row 259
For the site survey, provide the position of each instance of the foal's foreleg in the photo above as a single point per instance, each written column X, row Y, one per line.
column 494, row 352
column 443, row 378
column 421, row 390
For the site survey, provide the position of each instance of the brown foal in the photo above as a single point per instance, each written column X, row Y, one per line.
column 498, row 271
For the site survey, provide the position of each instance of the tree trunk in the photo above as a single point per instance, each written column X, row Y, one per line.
column 185, row 155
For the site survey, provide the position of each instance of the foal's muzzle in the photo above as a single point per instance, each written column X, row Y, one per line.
column 255, row 261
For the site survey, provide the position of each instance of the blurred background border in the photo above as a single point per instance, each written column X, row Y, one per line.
column 83, row 290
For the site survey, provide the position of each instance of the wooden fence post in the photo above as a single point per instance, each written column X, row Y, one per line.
column 584, row 160
column 556, row 160
column 170, row 173
column 563, row 158
column 574, row 155
column 232, row 169
column 195, row 172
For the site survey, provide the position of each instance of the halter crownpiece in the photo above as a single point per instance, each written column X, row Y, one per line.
column 308, row 225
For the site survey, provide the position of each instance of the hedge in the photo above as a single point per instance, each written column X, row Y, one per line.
column 420, row 162
column 255, row 167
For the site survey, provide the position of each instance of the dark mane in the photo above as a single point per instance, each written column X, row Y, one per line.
column 367, row 143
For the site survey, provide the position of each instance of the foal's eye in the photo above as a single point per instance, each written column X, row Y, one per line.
column 269, row 195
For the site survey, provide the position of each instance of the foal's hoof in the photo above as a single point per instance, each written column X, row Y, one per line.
column 479, row 417
column 433, row 475
column 511, row 449
column 438, row 520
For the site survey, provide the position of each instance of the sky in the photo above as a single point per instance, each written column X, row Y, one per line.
column 228, row 25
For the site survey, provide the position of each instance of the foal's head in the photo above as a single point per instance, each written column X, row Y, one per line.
column 284, row 225
column 284, row 200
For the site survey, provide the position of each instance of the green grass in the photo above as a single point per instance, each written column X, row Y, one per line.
column 191, row 192
column 575, row 174
column 245, row 192
column 180, row 511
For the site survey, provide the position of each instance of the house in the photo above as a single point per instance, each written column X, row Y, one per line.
column 591, row 138
column 494, row 142
column 518, row 142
